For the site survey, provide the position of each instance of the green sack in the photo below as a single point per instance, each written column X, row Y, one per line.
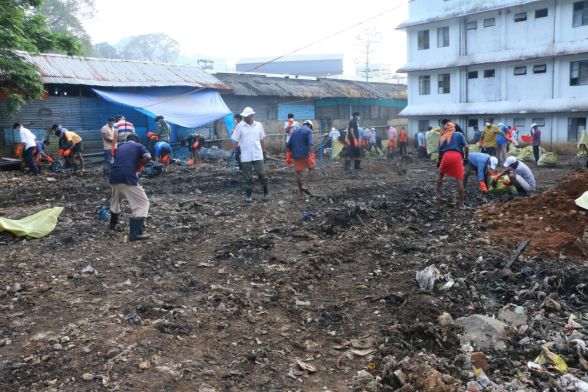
column 33, row 226
column 548, row 159
column 526, row 154
column 432, row 139
column 474, row 148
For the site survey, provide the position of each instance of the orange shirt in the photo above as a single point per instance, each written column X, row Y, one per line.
column 403, row 136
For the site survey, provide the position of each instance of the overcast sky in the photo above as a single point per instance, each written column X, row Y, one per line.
column 232, row 30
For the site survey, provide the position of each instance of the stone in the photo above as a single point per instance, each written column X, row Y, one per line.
column 88, row 376
column 483, row 332
column 144, row 365
column 206, row 388
column 445, row 320
column 479, row 361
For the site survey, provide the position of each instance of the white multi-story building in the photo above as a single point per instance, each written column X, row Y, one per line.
column 516, row 61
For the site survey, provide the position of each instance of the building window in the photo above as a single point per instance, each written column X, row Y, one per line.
column 520, row 17
column 473, row 25
column 424, row 85
column 580, row 14
column 578, row 73
column 423, row 125
column 520, row 70
column 444, row 83
column 489, row 73
column 540, row 68
column 472, row 123
column 576, row 126
column 443, row 37
column 518, row 122
column 423, row 39
column 539, row 121
column 542, row 13
column 473, row 75
column 489, row 22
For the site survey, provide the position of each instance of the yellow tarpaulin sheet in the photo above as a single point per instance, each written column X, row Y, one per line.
column 34, row 226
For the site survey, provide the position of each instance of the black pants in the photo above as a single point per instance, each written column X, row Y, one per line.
column 536, row 153
column 491, row 151
column 29, row 156
column 402, row 148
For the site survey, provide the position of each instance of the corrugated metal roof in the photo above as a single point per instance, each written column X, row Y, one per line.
column 62, row 69
column 262, row 85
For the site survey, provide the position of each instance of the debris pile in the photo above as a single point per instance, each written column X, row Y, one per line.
column 553, row 222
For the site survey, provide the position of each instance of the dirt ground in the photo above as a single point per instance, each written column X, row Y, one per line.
column 233, row 297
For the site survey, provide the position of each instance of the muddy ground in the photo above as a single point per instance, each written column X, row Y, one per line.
column 234, row 297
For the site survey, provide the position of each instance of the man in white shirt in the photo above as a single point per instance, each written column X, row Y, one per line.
column 249, row 135
column 289, row 126
column 30, row 145
column 519, row 175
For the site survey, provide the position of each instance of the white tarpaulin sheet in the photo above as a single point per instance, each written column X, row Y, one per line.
column 182, row 106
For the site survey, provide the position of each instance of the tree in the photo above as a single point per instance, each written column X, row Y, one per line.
column 368, row 39
column 152, row 47
column 105, row 50
column 65, row 16
column 23, row 27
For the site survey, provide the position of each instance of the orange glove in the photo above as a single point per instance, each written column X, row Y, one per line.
column 481, row 144
column 483, row 186
column 113, row 150
column 312, row 159
column 60, row 152
column 49, row 159
column 139, row 167
column 165, row 159
column 289, row 158
column 190, row 162
column 356, row 143
column 506, row 182
column 66, row 153
column 195, row 145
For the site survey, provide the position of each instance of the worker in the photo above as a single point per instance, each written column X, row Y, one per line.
column 352, row 142
column 194, row 143
column 334, row 135
column 124, row 182
column 40, row 153
column 163, row 129
column 519, row 175
column 536, row 142
column 421, row 144
column 453, row 150
column 163, row 152
column 300, row 151
column 70, row 146
column 402, row 142
column 489, row 135
column 237, row 118
column 501, row 144
column 484, row 165
column 289, row 126
column 373, row 142
column 249, row 135
column 457, row 126
column 30, row 144
column 124, row 128
column 109, row 137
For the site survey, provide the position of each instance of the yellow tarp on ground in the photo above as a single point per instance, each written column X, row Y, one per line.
column 34, row 226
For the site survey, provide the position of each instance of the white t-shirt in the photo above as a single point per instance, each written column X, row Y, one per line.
column 334, row 134
column 249, row 138
column 373, row 136
column 292, row 128
column 524, row 171
column 28, row 138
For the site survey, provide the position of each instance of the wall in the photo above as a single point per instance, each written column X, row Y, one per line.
column 415, row 98
column 414, row 54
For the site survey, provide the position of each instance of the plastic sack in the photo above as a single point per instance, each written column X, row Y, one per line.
column 548, row 357
column 548, row 159
column 526, row 154
column 583, row 145
column 432, row 141
column 427, row 277
column 33, row 226
column 474, row 148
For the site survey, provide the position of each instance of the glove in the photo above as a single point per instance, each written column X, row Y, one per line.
column 356, row 143
column 289, row 158
column 483, row 186
column 195, row 145
column 61, row 152
column 481, row 144
column 66, row 153
column 312, row 159
column 506, row 182
column 49, row 159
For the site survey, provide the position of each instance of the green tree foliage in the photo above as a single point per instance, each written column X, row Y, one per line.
column 152, row 47
column 23, row 27
column 65, row 16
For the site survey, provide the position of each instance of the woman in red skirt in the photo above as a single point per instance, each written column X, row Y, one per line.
column 453, row 150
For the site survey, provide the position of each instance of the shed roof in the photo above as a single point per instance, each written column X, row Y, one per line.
column 63, row 69
column 284, row 86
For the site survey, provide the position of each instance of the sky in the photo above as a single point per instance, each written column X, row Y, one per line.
column 231, row 30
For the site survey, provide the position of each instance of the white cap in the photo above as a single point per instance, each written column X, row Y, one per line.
column 247, row 112
column 493, row 163
column 309, row 123
column 533, row 125
column 510, row 161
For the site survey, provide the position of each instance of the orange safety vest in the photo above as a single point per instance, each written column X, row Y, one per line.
column 403, row 136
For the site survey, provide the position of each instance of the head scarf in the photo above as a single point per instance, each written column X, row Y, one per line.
column 446, row 136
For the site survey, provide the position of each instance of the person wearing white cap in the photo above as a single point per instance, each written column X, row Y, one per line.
column 519, row 175
column 249, row 135
column 300, row 147
column 536, row 143
column 482, row 164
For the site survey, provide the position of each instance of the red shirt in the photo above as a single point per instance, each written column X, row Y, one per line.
column 403, row 136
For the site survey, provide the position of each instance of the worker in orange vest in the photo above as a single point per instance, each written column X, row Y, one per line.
column 402, row 142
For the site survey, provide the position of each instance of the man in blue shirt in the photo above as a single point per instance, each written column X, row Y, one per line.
column 163, row 152
column 421, row 144
column 482, row 164
column 124, row 182
column 300, row 145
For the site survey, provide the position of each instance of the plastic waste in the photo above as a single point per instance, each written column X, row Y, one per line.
column 548, row 159
column 568, row 381
column 483, row 379
column 307, row 215
column 548, row 357
column 103, row 213
column 427, row 277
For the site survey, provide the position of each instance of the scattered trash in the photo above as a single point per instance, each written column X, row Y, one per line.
column 482, row 332
column 305, row 366
column 548, row 357
column 88, row 269
column 307, row 215
column 513, row 314
column 427, row 277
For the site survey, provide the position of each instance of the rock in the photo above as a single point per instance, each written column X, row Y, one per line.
column 445, row 320
column 112, row 353
column 144, row 365
column 50, row 179
column 305, row 366
column 550, row 303
column 88, row 376
column 88, row 269
column 206, row 388
column 482, row 331
column 400, row 376
column 514, row 315
column 44, row 287
column 479, row 361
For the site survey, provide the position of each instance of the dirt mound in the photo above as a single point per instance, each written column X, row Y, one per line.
column 551, row 219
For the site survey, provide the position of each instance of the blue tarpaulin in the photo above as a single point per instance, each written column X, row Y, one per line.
column 182, row 106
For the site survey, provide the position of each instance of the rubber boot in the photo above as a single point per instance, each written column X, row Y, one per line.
column 113, row 220
column 266, row 195
column 357, row 164
column 347, row 166
column 248, row 198
column 136, row 229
